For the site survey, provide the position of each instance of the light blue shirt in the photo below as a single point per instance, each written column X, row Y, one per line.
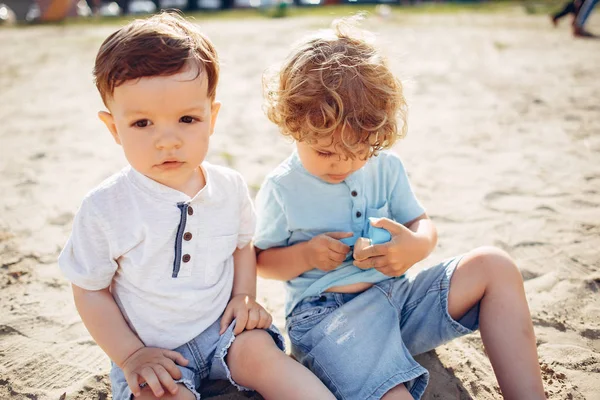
column 293, row 206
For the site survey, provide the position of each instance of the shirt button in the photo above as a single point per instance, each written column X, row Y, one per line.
column 354, row 193
column 358, row 214
column 186, row 258
column 190, row 211
column 187, row 236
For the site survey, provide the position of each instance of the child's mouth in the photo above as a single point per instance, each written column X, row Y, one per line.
column 171, row 164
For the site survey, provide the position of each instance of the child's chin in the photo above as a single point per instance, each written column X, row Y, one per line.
column 333, row 181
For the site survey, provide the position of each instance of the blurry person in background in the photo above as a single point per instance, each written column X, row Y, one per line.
column 125, row 5
column 192, row 5
column 572, row 7
column 584, row 12
column 94, row 6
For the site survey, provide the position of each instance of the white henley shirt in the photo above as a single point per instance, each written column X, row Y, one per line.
column 167, row 258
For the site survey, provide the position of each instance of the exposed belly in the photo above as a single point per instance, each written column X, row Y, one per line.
column 353, row 288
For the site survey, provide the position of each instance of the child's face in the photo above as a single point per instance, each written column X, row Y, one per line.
column 329, row 164
column 164, row 124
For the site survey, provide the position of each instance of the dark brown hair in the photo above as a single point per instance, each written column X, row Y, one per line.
column 161, row 45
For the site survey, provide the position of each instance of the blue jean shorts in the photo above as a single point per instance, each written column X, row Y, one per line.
column 206, row 355
column 362, row 345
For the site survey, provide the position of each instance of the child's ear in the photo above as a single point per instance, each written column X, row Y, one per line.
column 214, row 111
column 109, row 121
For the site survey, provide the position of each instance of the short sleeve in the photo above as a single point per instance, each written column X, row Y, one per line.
column 247, row 215
column 404, row 205
column 271, row 227
column 86, row 259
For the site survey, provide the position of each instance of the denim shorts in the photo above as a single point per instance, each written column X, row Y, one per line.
column 362, row 345
column 206, row 355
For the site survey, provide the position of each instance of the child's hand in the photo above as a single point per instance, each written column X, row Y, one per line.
column 247, row 313
column 393, row 258
column 156, row 367
column 326, row 252
column 360, row 244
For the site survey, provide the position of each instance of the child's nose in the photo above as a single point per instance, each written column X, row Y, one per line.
column 342, row 163
column 168, row 139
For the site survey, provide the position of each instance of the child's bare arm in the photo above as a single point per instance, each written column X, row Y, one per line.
column 244, row 276
column 243, row 306
column 103, row 319
column 283, row 263
column 409, row 245
column 324, row 252
column 106, row 324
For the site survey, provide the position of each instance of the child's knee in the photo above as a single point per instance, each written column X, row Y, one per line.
column 250, row 356
column 250, row 348
column 494, row 263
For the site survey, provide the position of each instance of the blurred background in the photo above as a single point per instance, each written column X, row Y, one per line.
column 56, row 10
column 503, row 149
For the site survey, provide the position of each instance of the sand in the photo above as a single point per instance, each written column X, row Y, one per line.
column 503, row 149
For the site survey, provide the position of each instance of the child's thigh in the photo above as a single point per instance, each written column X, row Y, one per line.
column 356, row 348
column 422, row 301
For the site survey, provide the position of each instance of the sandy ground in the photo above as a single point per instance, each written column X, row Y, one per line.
column 503, row 149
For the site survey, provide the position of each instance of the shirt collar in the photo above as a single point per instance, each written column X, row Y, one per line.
column 168, row 194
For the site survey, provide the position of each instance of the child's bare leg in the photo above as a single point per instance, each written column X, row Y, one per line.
column 400, row 392
column 183, row 393
column 257, row 363
column 490, row 275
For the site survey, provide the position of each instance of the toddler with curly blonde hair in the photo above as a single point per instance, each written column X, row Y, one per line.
column 353, row 316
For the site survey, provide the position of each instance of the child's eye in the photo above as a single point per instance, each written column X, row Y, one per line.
column 324, row 154
column 364, row 154
column 142, row 123
column 186, row 119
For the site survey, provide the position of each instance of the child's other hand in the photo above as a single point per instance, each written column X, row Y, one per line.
column 393, row 258
column 326, row 252
column 360, row 245
column 156, row 367
column 247, row 313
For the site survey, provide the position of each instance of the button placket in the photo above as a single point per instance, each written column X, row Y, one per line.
column 187, row 244
column 357, row 212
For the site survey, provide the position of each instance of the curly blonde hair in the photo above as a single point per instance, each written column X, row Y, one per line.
column 161, row 45
column 337, row 83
